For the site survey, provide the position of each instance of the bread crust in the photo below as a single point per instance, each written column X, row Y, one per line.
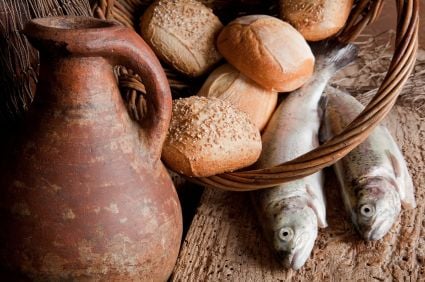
column 268, row 51
column 316, row 19
column 228, row 84
column 207, row 136
column 182, row 34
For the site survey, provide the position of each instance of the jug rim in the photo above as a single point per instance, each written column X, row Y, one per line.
column 65, row 29
column 71, row 23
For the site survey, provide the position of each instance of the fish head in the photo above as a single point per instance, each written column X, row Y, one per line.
column 294, row 232
column 377, row 209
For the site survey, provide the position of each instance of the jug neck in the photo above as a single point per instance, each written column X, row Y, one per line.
column 76, row 82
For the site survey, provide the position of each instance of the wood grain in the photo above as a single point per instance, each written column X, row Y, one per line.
column 224, row 242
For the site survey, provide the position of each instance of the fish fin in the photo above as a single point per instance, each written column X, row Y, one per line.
column 323, row 133
column 314, row 203
column 323, row 104
column 400, row 171
column 334, row 55
column 394, row 163
column 409, row 201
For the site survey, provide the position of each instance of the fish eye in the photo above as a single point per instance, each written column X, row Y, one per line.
column 286, row 234
column 367, row 210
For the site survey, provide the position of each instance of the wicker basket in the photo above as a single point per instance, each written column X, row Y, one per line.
column 363, row 13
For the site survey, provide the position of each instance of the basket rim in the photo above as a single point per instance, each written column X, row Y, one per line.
column 364, row 12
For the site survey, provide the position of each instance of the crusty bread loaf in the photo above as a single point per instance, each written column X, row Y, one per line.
column 316, row 19
column 267, row 50
column 182, row 33
column 228, row 84
column 207, row 136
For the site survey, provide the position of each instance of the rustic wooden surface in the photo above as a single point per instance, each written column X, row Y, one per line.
column 224, row 242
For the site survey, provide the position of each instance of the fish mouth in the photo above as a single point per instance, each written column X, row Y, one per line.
column 378, row 229
column 296, row 258
column 292, row 260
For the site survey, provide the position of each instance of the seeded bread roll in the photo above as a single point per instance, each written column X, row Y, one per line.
column 316, row 19
column 228, row 84
column 207, row 136
column 268, row 51
column 182, row 33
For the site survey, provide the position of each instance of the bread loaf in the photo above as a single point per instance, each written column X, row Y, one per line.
column 228, row 84
column 316, row 19
column 182, row 33
column 207, row 136
column 268, row 51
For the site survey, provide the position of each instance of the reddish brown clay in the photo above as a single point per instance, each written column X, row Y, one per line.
column 85, row 196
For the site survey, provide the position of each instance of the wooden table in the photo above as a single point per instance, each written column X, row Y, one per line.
column 224, row 242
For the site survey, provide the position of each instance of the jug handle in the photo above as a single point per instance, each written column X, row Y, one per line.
column 123, row 46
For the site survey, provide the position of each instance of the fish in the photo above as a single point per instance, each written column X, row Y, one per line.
column 374, row 178
column 291, row 213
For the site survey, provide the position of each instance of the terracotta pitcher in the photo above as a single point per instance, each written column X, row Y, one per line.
column 84, row 195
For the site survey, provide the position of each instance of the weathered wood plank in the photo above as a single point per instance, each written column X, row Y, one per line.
column 224, row 242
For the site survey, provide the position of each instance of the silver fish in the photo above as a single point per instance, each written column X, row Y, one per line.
column 291, row 213
column 374, row 178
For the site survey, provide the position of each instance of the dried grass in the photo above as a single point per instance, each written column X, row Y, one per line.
column 363, row 78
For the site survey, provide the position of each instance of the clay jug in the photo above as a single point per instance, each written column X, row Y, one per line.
column 85, row 196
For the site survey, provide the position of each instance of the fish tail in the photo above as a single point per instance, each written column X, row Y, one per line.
column 332, row 56
column 333, row 97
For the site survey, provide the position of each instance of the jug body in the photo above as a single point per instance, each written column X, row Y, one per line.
column 85, row 196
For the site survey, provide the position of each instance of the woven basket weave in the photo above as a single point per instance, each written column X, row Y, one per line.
column 363, row 13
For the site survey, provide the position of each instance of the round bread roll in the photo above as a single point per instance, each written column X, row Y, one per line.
column 316, row 19
column 207, row 136
column 228, row 84
column 268, row 51
column 182, row 33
